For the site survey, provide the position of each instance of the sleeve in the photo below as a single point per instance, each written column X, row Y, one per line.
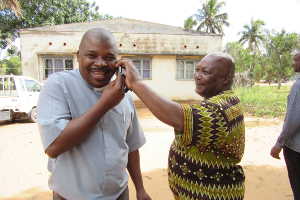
column 185, row 137
column 135, row 135
column 292, row 118
column 52, row 111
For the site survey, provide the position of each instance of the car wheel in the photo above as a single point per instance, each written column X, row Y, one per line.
column 33, row 115
column 12, row 116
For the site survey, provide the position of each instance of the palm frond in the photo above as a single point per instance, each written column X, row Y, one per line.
column 252, row 34
column 14, row 5
column 209, row 17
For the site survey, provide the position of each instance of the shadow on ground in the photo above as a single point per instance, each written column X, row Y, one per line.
column 262, row 182
column 7, row 123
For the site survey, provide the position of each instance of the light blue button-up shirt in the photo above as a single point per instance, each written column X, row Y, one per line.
column 95, row 169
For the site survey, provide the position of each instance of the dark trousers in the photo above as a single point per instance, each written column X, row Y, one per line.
column 292, row 160
column 56, row 196
column 123, row 196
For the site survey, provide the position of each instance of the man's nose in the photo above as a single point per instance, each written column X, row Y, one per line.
column 100, row 62
column 198, row 75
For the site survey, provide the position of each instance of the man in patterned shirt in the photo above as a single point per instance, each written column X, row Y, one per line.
column 209, row 136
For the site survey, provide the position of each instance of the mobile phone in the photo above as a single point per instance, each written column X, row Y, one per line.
column 121, row 71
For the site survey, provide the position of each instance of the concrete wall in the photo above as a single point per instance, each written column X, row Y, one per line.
column 34, row 45
column 168, row 44
column 164, row 82
column 164, row 49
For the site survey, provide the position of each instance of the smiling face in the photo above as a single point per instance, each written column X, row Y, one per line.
column 211, row 76
column 96, row 57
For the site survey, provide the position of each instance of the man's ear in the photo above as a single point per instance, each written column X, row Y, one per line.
column 226, row 80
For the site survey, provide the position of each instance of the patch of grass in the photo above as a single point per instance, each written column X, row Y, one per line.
column 264, row 101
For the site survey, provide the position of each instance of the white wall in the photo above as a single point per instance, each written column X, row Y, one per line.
column 33, row 45
column 164, row 83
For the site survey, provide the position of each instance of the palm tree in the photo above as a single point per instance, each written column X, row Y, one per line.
column 189, row 23
column 14, row 5
column 253, row 34
column 210, row 19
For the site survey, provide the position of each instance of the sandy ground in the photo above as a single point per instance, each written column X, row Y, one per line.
column 23, row 174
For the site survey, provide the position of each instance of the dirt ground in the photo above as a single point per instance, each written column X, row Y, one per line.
column 23, row 174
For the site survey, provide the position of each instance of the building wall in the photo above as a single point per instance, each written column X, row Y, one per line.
column 168, row 44
column 164, row 49
column 43, row 43
column 164, row 82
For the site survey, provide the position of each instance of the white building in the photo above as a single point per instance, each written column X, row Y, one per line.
column 165, row 55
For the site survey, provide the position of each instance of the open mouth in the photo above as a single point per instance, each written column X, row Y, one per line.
column 101, row 73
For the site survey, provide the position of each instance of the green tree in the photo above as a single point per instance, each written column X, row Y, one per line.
column 44, row 12
column 249, row 66
column 241, row 56
column 269, row 72
column 253, row 34
column 261, row 67
column 14, row 5
column 12, row 65
column 189, row 23
column 279, row 48
column 210, row 19
column 243, row 63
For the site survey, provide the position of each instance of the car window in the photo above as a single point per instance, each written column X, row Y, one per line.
column 32, row 86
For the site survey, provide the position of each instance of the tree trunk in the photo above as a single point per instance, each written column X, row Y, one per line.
column 279, row 84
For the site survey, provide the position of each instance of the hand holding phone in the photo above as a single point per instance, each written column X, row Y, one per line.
column 121, row 72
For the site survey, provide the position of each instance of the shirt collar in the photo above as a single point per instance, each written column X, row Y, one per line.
column 99, row 89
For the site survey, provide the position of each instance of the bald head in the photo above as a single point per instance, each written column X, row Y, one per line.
column 297, row 55
column 98, row 35
column 214, row 74
column 225, row 65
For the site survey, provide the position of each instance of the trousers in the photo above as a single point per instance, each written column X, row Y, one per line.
column 292, row 161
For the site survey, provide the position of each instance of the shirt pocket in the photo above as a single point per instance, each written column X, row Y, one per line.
column 118, row 120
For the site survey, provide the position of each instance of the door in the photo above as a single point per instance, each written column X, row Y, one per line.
column 31, row 94
column 8, row 97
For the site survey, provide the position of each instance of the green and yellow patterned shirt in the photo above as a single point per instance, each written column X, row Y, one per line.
column 203, row 159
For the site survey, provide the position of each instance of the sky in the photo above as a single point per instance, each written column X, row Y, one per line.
column 277, row 14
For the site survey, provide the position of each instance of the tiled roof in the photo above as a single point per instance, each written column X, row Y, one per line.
column 121, row 25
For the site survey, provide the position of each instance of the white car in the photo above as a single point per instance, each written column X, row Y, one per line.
column 18, row 98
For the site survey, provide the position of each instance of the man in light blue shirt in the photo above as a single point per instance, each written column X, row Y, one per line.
column 89, row 127
column 289, row 139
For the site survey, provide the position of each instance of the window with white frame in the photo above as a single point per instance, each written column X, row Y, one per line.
column 185, row 69
column 143, row 66
column 54, row 64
